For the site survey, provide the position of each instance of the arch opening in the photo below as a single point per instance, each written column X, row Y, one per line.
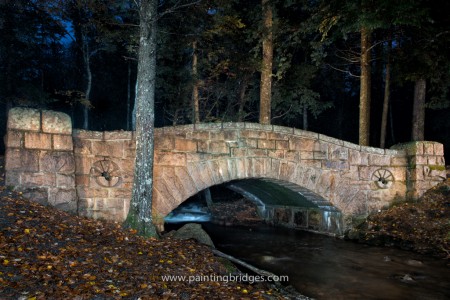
column 275, row 202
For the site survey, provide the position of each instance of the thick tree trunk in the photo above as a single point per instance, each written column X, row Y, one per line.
column 364, row 95
column 387, row 90
column 418, row 119
column 140, row 213
column 266, row 68
column 195, row 97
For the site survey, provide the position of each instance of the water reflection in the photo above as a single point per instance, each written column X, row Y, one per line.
column 327, row 268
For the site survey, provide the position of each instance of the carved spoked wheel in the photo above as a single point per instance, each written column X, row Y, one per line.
column 106, row 173
column 383, row 178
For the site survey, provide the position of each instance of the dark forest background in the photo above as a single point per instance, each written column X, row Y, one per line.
column 79, row 57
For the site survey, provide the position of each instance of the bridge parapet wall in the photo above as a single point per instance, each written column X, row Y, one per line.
column 92, row 172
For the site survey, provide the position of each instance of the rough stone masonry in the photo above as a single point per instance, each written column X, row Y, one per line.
column 91, row 172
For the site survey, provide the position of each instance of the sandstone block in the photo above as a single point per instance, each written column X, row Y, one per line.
column 266, row 144
column 65, row 181
column 24, row 119
column 81, row 146
column 35, row 140
column 22, row 160
column 87, row 134
column 170, row 159
column 38, row 179
column 57, row 161
column 185, row 145
column 301, row 144
column 253, row 134
column 14, row 139
column 56, row 122
column 110, row 148
column 218, row 147
column 428, row 148
column 256, row 152
column 62, row 142
column 438, row 149
column 379, row 160
column 63, row 199
column 117, row 135
column 164, row 142
column 82, row 180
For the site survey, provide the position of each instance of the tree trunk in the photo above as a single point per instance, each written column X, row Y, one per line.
column 195, row 97
column 266, row 68
column 364, row 94
column 305, row 117
column 140, row 213
column 87, row 66
column 418, row 119
column 128, row 95
column 241, row 97
column 387, row 90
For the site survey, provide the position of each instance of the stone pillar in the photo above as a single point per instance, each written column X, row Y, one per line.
column 104, row 173
column 426, row 166
column 39, row 157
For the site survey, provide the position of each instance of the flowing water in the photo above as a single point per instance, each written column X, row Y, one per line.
column 324, row 267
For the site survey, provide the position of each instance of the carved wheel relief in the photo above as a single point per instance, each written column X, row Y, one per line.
column 106, row 173
column 383, row 178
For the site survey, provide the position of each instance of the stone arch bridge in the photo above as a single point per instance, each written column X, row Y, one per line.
column 91, row 172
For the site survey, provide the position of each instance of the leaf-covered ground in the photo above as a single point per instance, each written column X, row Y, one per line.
column 49, row 254
column 422, row 226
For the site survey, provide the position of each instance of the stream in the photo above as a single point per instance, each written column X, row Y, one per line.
column 324, row 267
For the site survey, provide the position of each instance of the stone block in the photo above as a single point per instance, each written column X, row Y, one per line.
column 117, row 135
column 56, row 122
column 282, row 145
column 419, row 160
column 354, row 157
column 35, row 140
column 24, row 119
column 120, row 193
column 218, row 147
column 253, row 134
column 170, row 159
column 14, row 139
column 399, row 161
column 292, row 156
column 82, row 180
column 198, row 135
column 331, row 140
column 339, row 153
column 108, row 148
column 428, row 148
column 90, row 192
column 438, row 149
column 81, row 146
column 379, row 160
column 62, row 142
column 12, row 178
column 38, row 179
column 256, row 152
column 307, row 134
column 238, row 152
column 87, row 134
column 36, row 194
column 63, row 199
column 275, row 154
column 184, row 145
column 266, row 144
column 65, row 181
column 57, row 161
column 22, row 160
column 83, row 165
column 164, row 142
column 301, row 144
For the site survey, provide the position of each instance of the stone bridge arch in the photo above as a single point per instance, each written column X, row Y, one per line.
column 355, row 179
